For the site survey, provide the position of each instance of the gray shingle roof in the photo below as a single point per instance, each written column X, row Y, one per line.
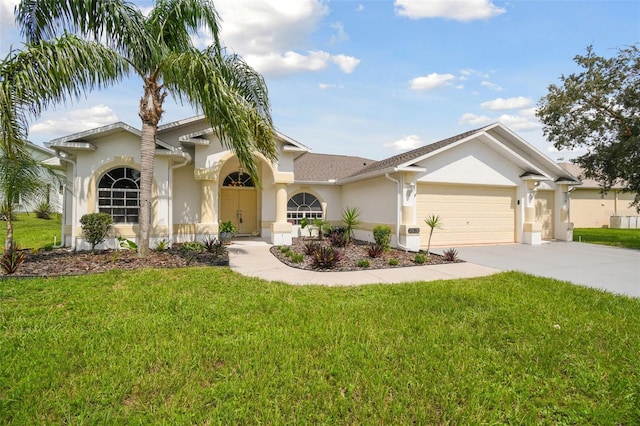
column 406, row 157
column 311, row 167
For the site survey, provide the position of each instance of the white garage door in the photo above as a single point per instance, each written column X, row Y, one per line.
column 469, row 214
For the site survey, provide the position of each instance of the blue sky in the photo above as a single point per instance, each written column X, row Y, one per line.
column 374, row 78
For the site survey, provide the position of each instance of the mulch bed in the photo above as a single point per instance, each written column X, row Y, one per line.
column 60, row 262
column 355, row 252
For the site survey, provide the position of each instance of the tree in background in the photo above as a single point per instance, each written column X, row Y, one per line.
column 599, row 109
column 159, row 48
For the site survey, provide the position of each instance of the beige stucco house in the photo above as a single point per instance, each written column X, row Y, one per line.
column 592, row 208
column 488, row 185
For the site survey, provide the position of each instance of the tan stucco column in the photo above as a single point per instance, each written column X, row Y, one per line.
column 532, row 231
column 281, row 230
column 208, row 202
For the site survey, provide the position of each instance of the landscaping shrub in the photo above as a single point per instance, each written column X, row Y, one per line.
column 11, row 259
column 382, row 236
column 326, row 258
column 297, row 257
column 193, row 246
column 420, row 258
column 351, row 219
column 214, row 246
column 450, row 255
column 363, row 263
column 339, row 237
column 43, row 210
column 95, row 228
column 162, row 245
column 375, row 250
column 394, row 262
column 310, row 247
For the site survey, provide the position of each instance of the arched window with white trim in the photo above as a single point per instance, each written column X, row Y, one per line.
column 119, row 194
column 303, row 205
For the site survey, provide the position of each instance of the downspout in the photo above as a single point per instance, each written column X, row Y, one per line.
column 170, row 203
column 398, row 208
column 74, row 212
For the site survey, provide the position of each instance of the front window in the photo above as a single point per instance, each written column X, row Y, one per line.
column 303, row 205
column 119, row 194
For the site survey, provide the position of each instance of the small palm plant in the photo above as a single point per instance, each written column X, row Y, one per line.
column 432, row 222
column 351, row 220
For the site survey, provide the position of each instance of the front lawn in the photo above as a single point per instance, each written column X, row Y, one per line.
column 31, row 232
column 627, row 238
column 206, row 345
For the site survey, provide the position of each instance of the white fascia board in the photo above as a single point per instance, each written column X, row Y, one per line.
column 182, row 122
column 438, row 151
column 290, row 148
column 73, row 146
column 291, row 141
column 515, row 155
column 97, row 132
column 174, row 154
column 532, row 149
column 416, row 169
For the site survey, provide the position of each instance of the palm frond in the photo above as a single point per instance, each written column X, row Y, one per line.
column 236, row 104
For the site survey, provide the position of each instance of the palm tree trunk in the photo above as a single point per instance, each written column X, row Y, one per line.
column 150, row 113
column 8, row 243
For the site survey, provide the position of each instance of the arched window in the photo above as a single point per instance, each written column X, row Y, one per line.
column 119, row 194
column 238, row 179
column 303, row 205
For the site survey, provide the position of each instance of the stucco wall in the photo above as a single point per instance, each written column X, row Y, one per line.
column 471, row 163
column 591, row 209
column 377, row 200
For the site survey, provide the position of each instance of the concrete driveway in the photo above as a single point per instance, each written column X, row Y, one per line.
column 613, row 269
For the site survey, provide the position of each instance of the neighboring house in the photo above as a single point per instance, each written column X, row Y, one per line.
column 488, row 186
column 591, row 207
column 54, row 188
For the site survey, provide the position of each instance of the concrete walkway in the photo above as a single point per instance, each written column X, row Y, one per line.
column 253, row 259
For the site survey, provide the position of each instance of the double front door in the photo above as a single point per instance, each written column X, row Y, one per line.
column 240, row 206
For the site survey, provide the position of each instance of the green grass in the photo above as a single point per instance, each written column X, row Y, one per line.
column 627, row 238
column 203, row 345
column 31, row 232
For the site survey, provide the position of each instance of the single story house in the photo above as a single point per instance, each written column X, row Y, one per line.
column 591, row 207
column 488, row 185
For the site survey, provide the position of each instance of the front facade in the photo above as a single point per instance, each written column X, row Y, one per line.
column 487, row 185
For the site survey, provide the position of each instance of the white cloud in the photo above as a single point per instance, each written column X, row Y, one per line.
column 492, row 86
column 289, row 62
column 360, row 8
column 475, row 120
column 346, row 63
column 340, row 35
column 270, row 34
column 259, row 27
column 76, row 121
column 518, row 122
column 459, row 10
column 7, row 20
column 468, row 72
column 509, row 103
column 325, row 86
column 406, row 143
column 431, row 81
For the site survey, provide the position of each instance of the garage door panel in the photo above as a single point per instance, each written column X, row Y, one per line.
column 470, row 215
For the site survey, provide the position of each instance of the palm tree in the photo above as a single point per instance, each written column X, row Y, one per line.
column 159, row 49
column 432, row 222
column 21, row 177
column 31, row 79
column 44, row 73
